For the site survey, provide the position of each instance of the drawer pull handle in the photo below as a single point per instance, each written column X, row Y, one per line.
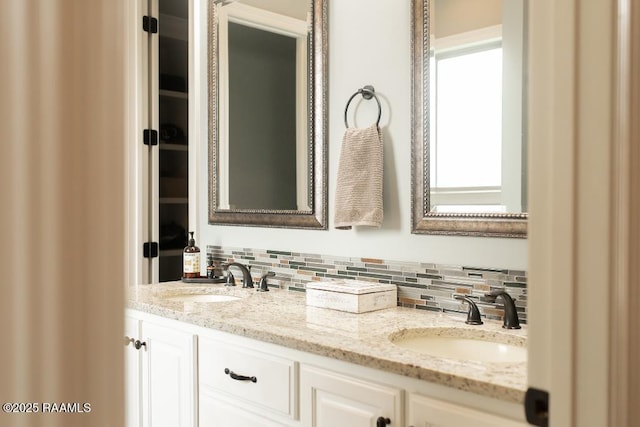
column 382, row 421
column 239, row 377
column 136, row 343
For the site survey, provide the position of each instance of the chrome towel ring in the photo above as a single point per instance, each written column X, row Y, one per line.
column 367, row 93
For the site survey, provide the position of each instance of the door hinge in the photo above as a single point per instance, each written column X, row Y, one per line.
column 150, row 249
column 536, row 407
column 150, row 137
column 149, row 24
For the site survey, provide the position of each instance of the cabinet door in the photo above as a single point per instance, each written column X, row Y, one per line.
column 132, row 373
column 168, row 377
column 427, row 412
column 328, row 399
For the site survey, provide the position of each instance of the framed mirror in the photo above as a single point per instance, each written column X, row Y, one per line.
column 469, row 144
column 267, row 113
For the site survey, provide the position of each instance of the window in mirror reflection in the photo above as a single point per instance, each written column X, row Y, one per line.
column 468, row 84
column 469, row 88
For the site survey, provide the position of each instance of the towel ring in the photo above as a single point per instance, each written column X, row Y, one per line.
column 367, row 93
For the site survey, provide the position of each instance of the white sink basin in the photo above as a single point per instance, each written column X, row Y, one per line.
column 463, row 344
column 202, row 298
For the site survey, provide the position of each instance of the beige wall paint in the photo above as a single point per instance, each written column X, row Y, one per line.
column 62, row 257
column 293, row 8
column 460, row 16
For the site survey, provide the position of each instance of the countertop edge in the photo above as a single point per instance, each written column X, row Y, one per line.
column 459, row 382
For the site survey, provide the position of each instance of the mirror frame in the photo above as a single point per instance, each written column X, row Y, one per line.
column 316, row 218
column 423, row 220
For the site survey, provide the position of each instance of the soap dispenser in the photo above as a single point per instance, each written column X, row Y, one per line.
column 211, row 269
column 191, row 259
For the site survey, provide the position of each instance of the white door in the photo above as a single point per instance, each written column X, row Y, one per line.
column 328, row 399
column 139, row 160
column 571, row 222
column 168, row 377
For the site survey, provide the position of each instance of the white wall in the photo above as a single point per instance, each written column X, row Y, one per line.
column 369, row 43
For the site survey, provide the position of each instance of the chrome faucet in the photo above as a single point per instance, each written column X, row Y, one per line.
column 510, row 318
column 247, row 280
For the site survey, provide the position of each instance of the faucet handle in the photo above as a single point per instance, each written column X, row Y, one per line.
column 231, row 280
column 264, row 286
column 473, row 315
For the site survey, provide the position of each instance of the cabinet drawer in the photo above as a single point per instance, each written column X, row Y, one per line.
column 275, row 377
column 425, row 411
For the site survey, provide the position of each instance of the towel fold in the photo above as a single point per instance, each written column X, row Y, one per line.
column 359, row 187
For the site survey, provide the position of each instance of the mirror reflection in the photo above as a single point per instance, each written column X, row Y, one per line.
column 468, row 120
column 477, row 96
column 263, row 122
column 267, row 118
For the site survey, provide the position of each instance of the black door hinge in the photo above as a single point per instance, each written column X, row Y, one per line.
column 536, row 407
column 150, row 137
column 149, row 24
column 150, row 249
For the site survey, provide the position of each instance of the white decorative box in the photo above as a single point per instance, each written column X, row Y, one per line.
column 351, row 295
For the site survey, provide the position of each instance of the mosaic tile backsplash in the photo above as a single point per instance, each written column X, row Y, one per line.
column 422, row 286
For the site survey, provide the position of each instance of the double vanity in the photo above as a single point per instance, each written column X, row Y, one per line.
column 233, row 356
column 216, row 355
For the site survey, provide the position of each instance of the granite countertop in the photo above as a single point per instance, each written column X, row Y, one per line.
column 283, row 318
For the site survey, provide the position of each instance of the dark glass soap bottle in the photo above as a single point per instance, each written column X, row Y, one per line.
column 211, row 269
column 191, row 259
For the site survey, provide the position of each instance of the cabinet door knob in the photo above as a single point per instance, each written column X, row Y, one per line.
column 383, row 421
column 239, row 377
column 138, row 344
column 128, row 340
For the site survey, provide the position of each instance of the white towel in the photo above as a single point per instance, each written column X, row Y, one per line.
column 359, row 187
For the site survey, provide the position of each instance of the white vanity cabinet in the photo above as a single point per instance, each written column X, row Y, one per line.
column 330, row 399
column 243, row 382
column 425, row 411
column 249, row 383
column 161, row 373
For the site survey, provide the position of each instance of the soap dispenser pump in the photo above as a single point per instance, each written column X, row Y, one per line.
column 191, row 259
